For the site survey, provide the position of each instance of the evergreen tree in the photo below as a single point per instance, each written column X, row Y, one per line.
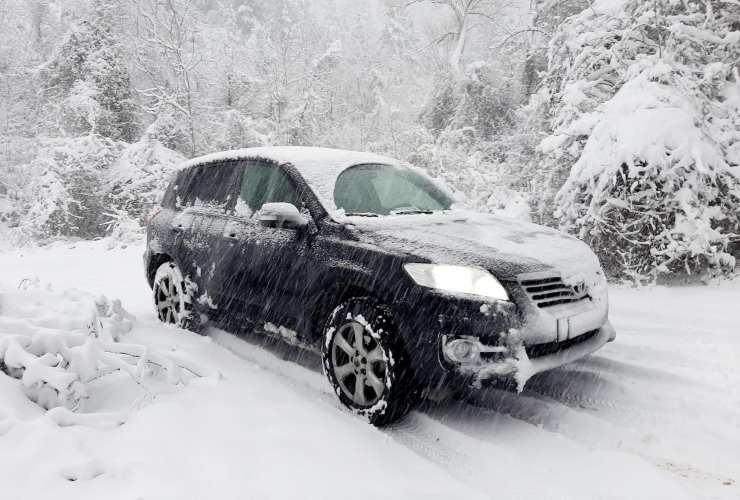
column 88, row 76
column 642, row 106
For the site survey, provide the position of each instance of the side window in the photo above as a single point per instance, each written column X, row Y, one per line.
column 170, row 194
column 265, row 183
column 212, row 185
column 181, row 189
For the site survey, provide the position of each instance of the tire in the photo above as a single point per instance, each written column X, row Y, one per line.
column 173, row 298
column 364, row 360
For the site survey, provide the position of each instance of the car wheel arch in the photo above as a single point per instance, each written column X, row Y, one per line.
column 334, row 295
column 155, row 261
column 340, row 285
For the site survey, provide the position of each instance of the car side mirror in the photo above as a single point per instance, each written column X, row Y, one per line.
column 281, row 215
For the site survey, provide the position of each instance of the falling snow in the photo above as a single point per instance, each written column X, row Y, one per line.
column 584, row 150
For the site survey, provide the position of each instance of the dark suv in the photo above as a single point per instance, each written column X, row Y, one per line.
column 372, row 264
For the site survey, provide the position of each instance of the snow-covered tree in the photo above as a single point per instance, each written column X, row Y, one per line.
column 168, row 55
column 63, row 190
column 641, row 102
column 87, row 83
column 463, row 18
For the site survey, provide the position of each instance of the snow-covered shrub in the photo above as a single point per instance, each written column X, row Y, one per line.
column 123, row 229
column 85, row 186
column 136, row 180
column 170, row 130
column 470, row 168
column 651, row 191
column 584, row 70
column 641, row 105
column 58, row 342
column 233, row 129
column 65, row 193
column 482, row 102
column 56, row 351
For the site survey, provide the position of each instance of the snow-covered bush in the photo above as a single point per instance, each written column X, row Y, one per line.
column 136, row 180
column 64, row 196
column 469, row 167
column 123, row 229
column 86, row 186
column 651, row 192
column 233, row 130
column 584, row 70
column 169, row 130
column 482, row 102
column 642, row 109
column 56, row 343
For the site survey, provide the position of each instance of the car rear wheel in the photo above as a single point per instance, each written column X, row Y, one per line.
column 173, row 298
column 365, row 362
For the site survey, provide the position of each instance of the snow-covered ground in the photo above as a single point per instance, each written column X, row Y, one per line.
column 655, row 414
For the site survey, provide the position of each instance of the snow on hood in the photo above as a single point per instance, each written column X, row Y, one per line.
column 506, row 247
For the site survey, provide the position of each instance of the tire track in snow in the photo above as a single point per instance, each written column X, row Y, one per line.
column 414, row 432
column 435, row 433
column 430, row 433
column 420, row 434
column 264, row 353
column 608, row 420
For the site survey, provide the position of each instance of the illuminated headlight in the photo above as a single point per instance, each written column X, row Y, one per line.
column 457, row 279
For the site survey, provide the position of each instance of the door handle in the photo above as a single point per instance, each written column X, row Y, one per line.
column 178, row 228
column 231, row 236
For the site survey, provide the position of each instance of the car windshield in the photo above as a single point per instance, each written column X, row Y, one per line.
column 375, row 189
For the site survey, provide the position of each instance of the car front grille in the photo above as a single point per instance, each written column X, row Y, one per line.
column 551, row 291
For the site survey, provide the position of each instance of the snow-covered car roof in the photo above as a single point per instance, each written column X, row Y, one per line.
column 320, row 167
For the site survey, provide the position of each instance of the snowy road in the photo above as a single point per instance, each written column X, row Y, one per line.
column 655, row 414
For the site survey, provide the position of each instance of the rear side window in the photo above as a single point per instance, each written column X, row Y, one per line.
column 265, row 183
column 212, row 185
column 170, row 195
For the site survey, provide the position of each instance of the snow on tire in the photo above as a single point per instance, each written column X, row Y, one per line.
column 364, row 360
column 173, row 298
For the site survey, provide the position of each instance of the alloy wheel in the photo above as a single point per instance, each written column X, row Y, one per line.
column 359, row 364
column 168, row 300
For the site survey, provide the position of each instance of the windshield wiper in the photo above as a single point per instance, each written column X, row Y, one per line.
column 360, row 214
column 410, row 211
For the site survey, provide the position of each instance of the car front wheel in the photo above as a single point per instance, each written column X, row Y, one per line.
column 365, row 363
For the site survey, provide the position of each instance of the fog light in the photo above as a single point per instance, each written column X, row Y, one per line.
column 461, row 351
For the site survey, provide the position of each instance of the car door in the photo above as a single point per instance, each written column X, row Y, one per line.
column 263, row 269
column 212, row 194
column 172, row 234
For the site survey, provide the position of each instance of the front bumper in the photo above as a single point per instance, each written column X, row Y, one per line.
column 478, row 341
column 519, row 361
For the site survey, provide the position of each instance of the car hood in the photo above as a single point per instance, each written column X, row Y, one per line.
column 506, row 247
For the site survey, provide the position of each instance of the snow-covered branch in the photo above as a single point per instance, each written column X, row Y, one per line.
column 55, row 364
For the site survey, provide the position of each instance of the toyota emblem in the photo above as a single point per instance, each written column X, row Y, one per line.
column 580, row 290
